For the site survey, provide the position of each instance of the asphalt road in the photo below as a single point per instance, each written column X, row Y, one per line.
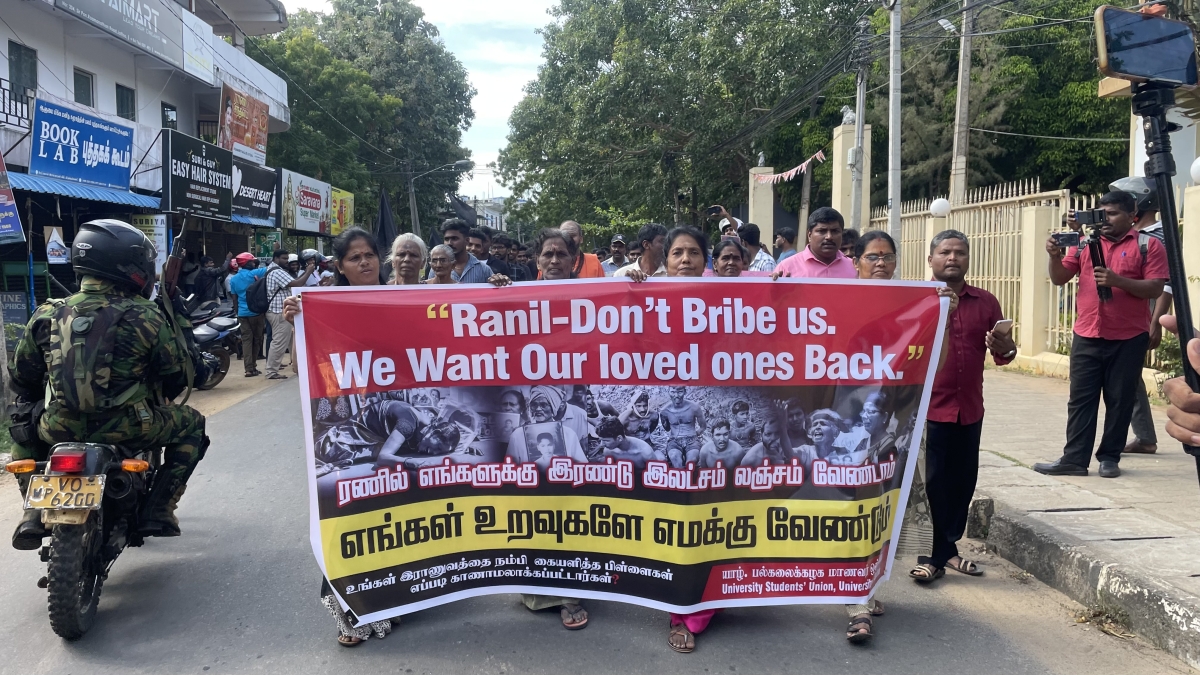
column 238, row 594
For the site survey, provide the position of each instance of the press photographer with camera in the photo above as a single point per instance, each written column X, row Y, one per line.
column 1119, row 271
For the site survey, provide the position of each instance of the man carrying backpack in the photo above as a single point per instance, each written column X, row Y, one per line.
column 251, row 323
column 108, row 364
column 278, row 280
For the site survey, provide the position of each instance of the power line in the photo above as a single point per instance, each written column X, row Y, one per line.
column 1052, row 138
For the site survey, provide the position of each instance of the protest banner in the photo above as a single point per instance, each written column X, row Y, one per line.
column 679, row 444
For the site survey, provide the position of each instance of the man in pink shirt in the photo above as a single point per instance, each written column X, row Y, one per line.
column 822, row 258
column 1111, row 334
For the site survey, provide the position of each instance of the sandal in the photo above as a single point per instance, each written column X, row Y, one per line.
column 926, row 573
column 965, row 566
column 349, row 640
column 878, row 610
column 859, row 630
column 681, row 639
column 574, row 617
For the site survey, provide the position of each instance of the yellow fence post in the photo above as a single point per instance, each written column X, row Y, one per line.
column 1036, row 289
column 1191, row 240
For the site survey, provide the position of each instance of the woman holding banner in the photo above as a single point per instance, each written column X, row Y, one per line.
column 357, row 263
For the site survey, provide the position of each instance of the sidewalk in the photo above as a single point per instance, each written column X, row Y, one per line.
column 1130, row 545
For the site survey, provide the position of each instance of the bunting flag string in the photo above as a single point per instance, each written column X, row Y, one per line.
column 793, row 172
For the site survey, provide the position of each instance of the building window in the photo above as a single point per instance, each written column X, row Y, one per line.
column 170, row 117
column 126, row 103
column 207, row 130
column 84, row 86
column 22, row 68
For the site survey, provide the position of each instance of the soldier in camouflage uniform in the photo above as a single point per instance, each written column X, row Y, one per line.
column 109, row 363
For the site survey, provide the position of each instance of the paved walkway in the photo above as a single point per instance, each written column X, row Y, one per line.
column 1026, row 421
column 1129, row 544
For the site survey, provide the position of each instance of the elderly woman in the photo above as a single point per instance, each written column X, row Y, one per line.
column 730, row 258
column 408, row 259
column 441, row 261
column 546, row 406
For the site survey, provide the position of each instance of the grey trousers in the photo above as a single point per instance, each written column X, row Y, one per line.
column 1143, row 421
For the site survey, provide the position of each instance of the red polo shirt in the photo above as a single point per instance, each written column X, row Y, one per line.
column 958, row 388
column 1125, row 316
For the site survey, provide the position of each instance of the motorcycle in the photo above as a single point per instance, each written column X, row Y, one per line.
column 91, row 497
column 215, row 334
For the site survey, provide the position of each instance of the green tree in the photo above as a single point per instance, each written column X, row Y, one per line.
column 316, row 146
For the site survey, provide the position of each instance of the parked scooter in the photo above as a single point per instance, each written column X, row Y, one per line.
column 215, row 334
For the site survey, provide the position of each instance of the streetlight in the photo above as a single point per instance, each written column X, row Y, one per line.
column 459, row 167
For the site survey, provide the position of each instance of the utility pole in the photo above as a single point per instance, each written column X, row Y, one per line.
column 412, row 205
column 860, row 102
column 962, row 117
column 893, row 202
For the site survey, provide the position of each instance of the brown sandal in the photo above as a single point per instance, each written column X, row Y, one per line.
column 964, row 566
column 927, row 573
column 349, row 640
column 574, row 617
column 859, row 630
column 687, row 645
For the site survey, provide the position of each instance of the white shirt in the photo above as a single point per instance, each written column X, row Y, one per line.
column 763, row 262
column 624, row 271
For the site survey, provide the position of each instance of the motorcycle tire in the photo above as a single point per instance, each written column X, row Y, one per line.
column 215, row 378
column 75, row 576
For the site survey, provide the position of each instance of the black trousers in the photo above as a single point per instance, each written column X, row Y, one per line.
column 951, row 470
column 1108, row 368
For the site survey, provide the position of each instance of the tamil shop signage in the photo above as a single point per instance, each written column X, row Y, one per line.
column 75, row 146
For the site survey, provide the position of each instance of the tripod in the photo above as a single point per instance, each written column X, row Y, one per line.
column 1151, row 100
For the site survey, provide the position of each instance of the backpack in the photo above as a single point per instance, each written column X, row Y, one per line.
column 78, row 362
column 257, row 299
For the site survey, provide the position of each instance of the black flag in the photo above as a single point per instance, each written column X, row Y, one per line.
column 385, row 226
column 463, row 210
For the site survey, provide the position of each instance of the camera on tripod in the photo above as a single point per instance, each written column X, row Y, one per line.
column 1093, row 218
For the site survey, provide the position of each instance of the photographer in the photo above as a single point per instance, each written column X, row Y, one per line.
column 1145, row 439
column 1111, row 335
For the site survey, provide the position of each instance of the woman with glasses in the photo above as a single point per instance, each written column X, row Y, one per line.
column 441, row 261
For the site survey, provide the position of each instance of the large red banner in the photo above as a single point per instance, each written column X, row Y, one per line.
column 681, row 444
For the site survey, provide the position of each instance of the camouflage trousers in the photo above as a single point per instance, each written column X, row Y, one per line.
column 178, row 428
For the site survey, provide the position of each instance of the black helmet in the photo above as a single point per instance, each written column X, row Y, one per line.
column 1142, row 189
column 111, row 249
column 311, row 254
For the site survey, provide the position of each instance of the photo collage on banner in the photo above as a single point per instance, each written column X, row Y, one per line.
column 680, row 445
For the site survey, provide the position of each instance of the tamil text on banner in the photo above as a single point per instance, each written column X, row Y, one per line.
column 682, row 445
column 197, row 177
column 305, row 203
column 341, row 215
column 75, row 146
column 243, row 126
column 10, row 216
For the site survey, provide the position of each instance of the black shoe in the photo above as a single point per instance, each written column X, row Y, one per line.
column 253, row 373
column 1060, row 468
column 1109, row 470
column 30, row 531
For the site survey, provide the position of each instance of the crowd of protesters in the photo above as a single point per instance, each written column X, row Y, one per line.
column 1107, row 349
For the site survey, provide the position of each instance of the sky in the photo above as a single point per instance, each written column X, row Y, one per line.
column 497, row 42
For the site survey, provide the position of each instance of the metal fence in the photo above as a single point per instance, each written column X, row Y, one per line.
column 15, row 107
column 991, row 219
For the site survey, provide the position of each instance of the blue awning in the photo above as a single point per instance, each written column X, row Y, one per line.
column 256, row 222
column 53, row 186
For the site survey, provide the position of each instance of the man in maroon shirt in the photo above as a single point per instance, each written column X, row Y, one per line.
column 1110, row 336
column 955, row 419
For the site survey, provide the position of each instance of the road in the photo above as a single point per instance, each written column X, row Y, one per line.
column 238, row 594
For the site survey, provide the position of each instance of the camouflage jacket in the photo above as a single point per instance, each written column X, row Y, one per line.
column 145, row 351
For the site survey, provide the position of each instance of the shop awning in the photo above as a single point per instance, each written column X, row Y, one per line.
column 256, row 222
column 53, row 186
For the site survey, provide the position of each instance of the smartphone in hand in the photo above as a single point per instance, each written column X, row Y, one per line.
column 1002, row 327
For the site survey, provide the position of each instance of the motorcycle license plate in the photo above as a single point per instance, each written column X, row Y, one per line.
column 65, row 492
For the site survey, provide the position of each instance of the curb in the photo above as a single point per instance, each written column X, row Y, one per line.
column 1166, row 616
